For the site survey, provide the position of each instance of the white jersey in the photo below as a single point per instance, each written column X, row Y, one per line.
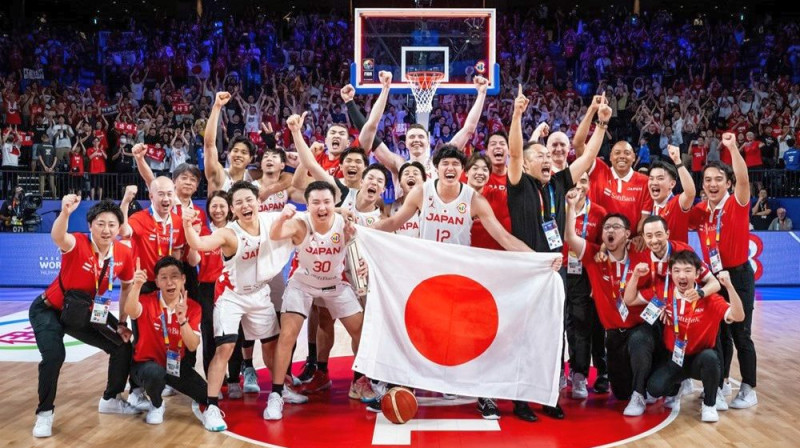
column 446, row 222
column 229, row 181
column 362, row 218
column 258, row 258
column 275, row 202
column 321, row 258
column 410, row 227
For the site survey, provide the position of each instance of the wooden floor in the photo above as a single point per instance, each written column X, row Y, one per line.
column 773, row 423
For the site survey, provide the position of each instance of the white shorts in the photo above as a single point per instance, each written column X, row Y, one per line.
column 255, row 312
column 340, row 300
column 276, row 288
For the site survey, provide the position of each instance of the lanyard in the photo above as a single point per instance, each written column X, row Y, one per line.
column 97, row 266
column 676, row 321
column 718, row 229
column 623, row 280
column 586, row 218
column 552, row 202
column 158, row 235
column 653, row 273
column 657, row 209
column 164, row 311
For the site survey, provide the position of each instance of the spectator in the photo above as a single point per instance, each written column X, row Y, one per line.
column 48, row 163
column 761, row 211
column 781, row 222
column 11, row 150
column 792, row 156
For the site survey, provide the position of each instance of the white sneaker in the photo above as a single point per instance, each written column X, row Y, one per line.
column 746, row 397
column 274, row 409
column 168, row 391
column 673, row 402
column 380, row 388
column 234, row 391
column 155, row 416
column 709, row 414
column 138, row 399
column 251, row 381
column 726, row 388
column 579, row 391
column 116, row 405
column 44, row 424
column 650, row 399
column 687, row 387
column 213, row 419
column 635, row 406
column 449, row 396
column 721, row 404
column 292, row 397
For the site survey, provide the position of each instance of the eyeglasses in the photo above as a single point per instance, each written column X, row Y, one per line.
column 610, row 227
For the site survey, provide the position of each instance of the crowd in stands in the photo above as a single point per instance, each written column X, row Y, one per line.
column 76, row 103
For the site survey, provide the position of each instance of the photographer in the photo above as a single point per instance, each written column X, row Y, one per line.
column 11, row 210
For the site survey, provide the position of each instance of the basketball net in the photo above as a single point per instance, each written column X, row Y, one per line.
column 423, row 86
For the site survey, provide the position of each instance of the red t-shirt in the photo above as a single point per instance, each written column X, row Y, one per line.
column 97, row 164
column 700, row 324
column 210, row 263
column 497, row 195
column 593, row 230
column 80, row 268
column 76, row 163
column 698, row 157
column 725, row 155
column 331, row 166
column 658, row 269
column 734, row 235
column 752, row 154
column 628, row 197
column 151, row 239
column 149, row 344
column 605, row 280
column 677, row 219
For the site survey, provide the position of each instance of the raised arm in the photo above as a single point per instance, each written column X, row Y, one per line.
column 515, row 138
column 213, row 169
column 283, row 183
column 58, row 233
column 579, row 140
column 585, row 161
column 742, row 188
column 381, row 152
column 139, row 151
column 411, row 204
column 480, row 206
column 286, row 227
column 571, row 237
column 306, row 157
column 367, row 135
column 132, row 307
column 631, row 294
column 737, row 309
column 463, row 136
column 689, row 191
column 221, row 238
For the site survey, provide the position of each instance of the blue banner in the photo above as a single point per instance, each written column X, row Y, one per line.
column 31, row 259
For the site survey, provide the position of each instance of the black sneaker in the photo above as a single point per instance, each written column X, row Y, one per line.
column 524, row 412
column 375, row 406
column 308, row 371
column 601, row 384
column 553, row 412
column 488, row 409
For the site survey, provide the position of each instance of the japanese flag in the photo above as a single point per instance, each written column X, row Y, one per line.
column 461, row 320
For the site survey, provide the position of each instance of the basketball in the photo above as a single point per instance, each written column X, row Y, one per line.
column 399, row 405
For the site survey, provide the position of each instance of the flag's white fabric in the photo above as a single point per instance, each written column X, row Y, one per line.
column 522, row 362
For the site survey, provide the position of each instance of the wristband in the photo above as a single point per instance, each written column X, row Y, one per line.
column 184, row 322
column 601, row 123
column 701, row 293
column 679, row 165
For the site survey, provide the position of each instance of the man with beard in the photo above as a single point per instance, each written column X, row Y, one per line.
column 536, row 199
column 674, row 209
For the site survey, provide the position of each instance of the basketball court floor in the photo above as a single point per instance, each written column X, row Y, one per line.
column 332, row 420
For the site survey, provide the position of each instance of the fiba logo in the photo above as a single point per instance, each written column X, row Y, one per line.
column 480, row 67
column 335, row 238
column 370, row 221
column 462, row 208
column 280, row 195
column 368, row 65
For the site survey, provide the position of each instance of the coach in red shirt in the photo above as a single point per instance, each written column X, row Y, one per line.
column 724, row 229
column 674, row 209
column 89, row 265
column 169, row 328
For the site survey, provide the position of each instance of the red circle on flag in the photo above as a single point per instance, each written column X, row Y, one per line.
column 451, row 319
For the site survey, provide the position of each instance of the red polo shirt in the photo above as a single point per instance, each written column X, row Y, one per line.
column 734, row 235
column 495, row 192
column 628, row 195
column 149, row 344
column 210, row 263
column 677, row 219
column 698, row 325
column 151, row 238
column 80, row 268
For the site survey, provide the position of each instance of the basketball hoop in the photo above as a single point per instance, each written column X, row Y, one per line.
column 423, row 86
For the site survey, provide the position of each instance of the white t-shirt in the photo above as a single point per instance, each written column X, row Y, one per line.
column 11, row 154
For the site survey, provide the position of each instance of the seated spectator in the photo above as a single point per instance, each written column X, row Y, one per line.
column 781, row 222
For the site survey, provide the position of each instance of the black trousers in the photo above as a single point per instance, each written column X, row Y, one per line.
column 205, row 297
column 738, row 334
column 585, row 335
column 49, row 332
column 192, row 289
column 153, row 377
column 630, row 358
column 703, row 366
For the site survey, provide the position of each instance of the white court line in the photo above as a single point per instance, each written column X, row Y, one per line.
column 672, row 416
column 796, row 238
column 199, row 415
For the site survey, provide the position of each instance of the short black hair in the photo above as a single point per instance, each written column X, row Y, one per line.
column 726, row 169
column 475, row 158
column 377, row 167
column 685, row 257
column 242, row 185
column 219, row 194
column 251, row 147
column 319, row 185
column 418, row 126
column 354, row 150
column 667, row 167
column 449, row 152
column 166, row 262
column 104, row 206
column 500, row 133
column 279, row 151
column 416, row 165
column 625, row 221
column 187, row 168
column 655, row 218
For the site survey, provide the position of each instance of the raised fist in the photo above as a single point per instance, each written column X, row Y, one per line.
column 674, row 153
column 385, row 79
column 222, row 99
column 130, row 194
column 729, row 140
column 70, row 203
column 139, row 150
column 188, row 215
column 481, row 84
column 289, row 210
column 295, row 122
column 348, row 92
column 724, row 278
column 642, row 269
column 604, row 112
column 317, row 147
column 572, row 197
